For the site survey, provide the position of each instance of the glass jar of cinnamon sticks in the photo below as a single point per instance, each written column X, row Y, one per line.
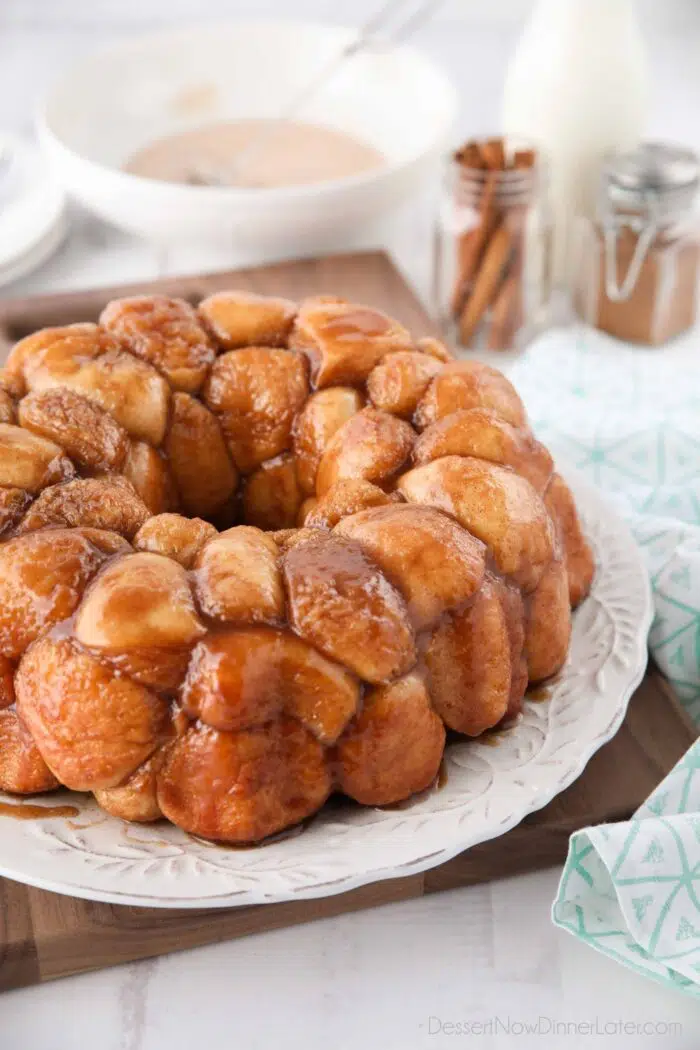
column 492, row 258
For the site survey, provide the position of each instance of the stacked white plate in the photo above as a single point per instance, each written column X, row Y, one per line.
column 33, row 219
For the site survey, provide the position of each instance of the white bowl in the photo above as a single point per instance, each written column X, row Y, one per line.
column 122, row 98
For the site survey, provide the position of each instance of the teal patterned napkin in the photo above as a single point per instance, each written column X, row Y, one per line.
column 632, row 889
column 629, row 419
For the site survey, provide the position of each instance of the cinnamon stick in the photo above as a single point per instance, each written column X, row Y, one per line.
column 471, row 245
column 508, row 305
column 493, row 154
column 486, row 283
column 469, row 156
column 523, row 158
column 506, row 314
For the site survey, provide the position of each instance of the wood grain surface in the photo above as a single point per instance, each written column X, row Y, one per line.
column 368, row 278
column 44, row 935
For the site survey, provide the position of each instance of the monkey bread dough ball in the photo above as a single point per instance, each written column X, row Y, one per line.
column 394, row 747
column 241, row 787
column 92, row 726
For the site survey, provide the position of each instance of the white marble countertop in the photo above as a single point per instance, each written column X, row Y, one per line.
column 399, row 976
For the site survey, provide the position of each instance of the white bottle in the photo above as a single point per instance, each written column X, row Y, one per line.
column 577, row 87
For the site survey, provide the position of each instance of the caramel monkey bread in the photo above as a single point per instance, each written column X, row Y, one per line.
column 254, row 553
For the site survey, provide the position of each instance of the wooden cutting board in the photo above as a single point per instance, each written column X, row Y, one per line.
column 46, row 935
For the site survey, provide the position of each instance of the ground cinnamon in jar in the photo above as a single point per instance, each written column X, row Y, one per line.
column 640, row 264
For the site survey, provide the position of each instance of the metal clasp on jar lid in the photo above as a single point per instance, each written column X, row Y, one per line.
column 643, row 189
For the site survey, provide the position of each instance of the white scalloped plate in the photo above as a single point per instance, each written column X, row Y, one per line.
column 488, row 790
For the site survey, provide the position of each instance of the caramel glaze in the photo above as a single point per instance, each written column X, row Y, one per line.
column 491, row 738
column 356, row 326
column 540, row 694
column 26, row 811
column 65, row 629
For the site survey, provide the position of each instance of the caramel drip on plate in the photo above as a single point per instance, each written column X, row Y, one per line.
column 539, row 695
column 26, row 811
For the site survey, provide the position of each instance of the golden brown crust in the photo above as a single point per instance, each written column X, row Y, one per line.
column 201, row 467
column 324, row 413
column 237, row 319
column 343, row 499
column 237, row 578
column 87, row 360
column 100, row 503
column 496, row 505
column 272, row 497
column 343, row 341
column 241, row 787
column 393, row 748
column 435, row 348
column 256, row 394
column 22, row 769
column 105, row 541
column 52, row 354
column 71, row 703
column 339, row 601
column 30, row 462
column 548, row 623
column 469, row 384
column 400, row 380
column 469, row 665
column 42, row 579
column 243, row 677
column 174, row 536
column 139, row 615
column 513, row 604
column 166, row 333
column 285, row 539
column 7, row 683
column 433, row 562
column 7, row 408
column 85, row 432
column 372, row 446
column 230, row 680
column 481, row 433
column 137, row 798
column 148, row 472
column 578, row 556
column 13, row 503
